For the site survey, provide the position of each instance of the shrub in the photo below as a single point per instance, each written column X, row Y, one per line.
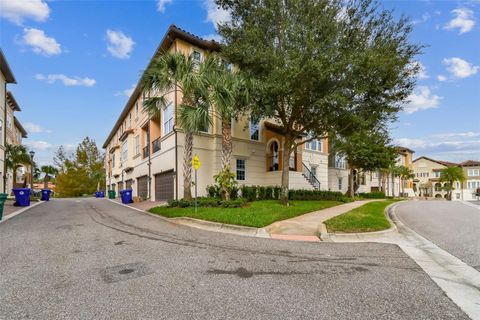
column 276, row 192
column 373, row 195
column 269, row 193
column 249, row 193
column 183, row 203
column 237, row 203
column 262, row 194
column 317, row 195
column 234, row 193
column 213, row 191
column 225, row 180
column 207, row 202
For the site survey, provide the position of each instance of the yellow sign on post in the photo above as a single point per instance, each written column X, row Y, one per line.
column 196, row 162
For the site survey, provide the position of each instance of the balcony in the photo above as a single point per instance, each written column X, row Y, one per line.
column 155, row 145
column 146, row 152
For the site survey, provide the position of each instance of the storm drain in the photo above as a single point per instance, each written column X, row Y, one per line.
column 125, row 272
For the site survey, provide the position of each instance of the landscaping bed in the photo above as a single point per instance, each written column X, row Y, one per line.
column 254, row 214
column 367, row 218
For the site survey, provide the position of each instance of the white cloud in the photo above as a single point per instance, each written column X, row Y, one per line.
column 449, row 146
column 40, row 42
column 127, row 92
column 423, row 19
column 161, row 4
column 215, row 14
column 460, row 68
column 464, row 20
column 17, row 11
column 423, row 99
column 38, row 145
column 67, row 81
column 120, row 45
column 213, row 36
column 35, row 128
column 441, row 77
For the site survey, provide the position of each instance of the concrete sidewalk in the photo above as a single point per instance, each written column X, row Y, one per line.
column 309, row 224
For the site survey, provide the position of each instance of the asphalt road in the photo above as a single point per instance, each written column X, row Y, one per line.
column 453, row 226
column 92, row 259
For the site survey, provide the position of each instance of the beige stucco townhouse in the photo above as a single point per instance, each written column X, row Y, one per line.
column 146, row 154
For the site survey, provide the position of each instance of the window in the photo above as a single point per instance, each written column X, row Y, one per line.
column 241, row 169
column 227, row 65
column 254, row 130
column 473, row 184
column 113, row 160
column 136, row 109
column 340, row 180
column 130, row 120
column 340, row 162
column 168, row 118
column 124, row 151
column 9, row 122
column 473, row 172
column 137, row 145
column 197, row 56
column 314, row 145
column 437, row 174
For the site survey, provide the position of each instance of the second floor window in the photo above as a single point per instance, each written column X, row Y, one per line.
column 340, row 162
column 314, row 145
column 168, row 119
column 254, row 130
column 437, row 174
column 137, row 145
column 124, row 151
column 473, row 172
column 9, row 122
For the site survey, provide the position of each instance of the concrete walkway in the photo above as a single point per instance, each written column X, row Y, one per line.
column 309, row 224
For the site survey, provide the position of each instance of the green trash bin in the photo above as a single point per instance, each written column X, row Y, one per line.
column 3, row 198
column 111, row 194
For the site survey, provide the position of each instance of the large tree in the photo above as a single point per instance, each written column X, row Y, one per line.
column 366, row 151
column 176, row 71
column 319, row 61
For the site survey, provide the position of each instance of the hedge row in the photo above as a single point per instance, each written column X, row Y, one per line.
column 207, row 202
column 373, row 195
column 317, row 195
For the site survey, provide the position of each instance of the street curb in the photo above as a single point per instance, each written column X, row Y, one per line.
column 207, row 225
column 389, row 213
column 5, row 218
column 470, row 205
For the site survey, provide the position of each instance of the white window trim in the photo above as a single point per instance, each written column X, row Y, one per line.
column 244, row 169
column 250, row 130
column 169, row 121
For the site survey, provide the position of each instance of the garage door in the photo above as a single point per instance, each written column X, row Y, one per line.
column 128, row 184
column 164, row 186
column 120, row 186
column 142, row 187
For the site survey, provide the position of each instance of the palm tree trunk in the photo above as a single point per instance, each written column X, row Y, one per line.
column 187, row 166
column 287, row 149
column 226, row 143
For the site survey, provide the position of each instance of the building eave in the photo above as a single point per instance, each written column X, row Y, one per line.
column 20, row 127
column 5, row 69
column 172, row 33
column 12, row 102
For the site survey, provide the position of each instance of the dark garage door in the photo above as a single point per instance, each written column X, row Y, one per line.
column 120, row 186
column 164, row 186
column 142, row 187
column 128, row 184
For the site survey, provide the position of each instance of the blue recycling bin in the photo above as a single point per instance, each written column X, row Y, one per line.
column 101, row 194
column 22, row 196
column 126, row 196
column 46, row 194
column 96, row 194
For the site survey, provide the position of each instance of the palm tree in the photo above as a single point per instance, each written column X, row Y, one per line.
column 230, row 94
column 176, row 71
column 49, row 171
column 450, row 175
column 15, row 157
column 405, row 173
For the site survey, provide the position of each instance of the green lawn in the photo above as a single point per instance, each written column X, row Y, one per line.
column 255, row 214
column 369, row 217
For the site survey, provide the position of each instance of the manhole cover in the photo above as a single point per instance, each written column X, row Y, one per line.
column 125, row 272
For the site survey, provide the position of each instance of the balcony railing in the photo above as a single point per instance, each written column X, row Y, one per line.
column 146, row 152
column 155, row 145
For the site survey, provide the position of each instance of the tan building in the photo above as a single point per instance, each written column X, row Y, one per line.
column 146, row 154
column 427, row 177
column 6, row 77
column 471, row 185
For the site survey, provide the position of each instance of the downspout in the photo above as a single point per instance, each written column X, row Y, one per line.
column 4, row 125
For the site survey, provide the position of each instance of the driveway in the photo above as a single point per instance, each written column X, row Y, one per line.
column 93, row 259
column 451, row 225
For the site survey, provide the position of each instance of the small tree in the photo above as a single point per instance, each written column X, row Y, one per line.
column 49, row 171
column 405, row 174
column 451, row 175
column 15, row 157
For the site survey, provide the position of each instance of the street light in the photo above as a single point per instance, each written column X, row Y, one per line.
column 32, row 154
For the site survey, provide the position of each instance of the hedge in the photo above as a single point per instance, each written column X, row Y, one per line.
column 373, row 195
column 317, row 195
column 207, row 202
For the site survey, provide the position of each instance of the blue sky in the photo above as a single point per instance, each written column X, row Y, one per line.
column 76, row 61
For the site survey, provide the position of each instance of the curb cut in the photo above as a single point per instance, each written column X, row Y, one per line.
column 389, row 212
column 470, row 205
column 206, row 225
column 5, row 218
